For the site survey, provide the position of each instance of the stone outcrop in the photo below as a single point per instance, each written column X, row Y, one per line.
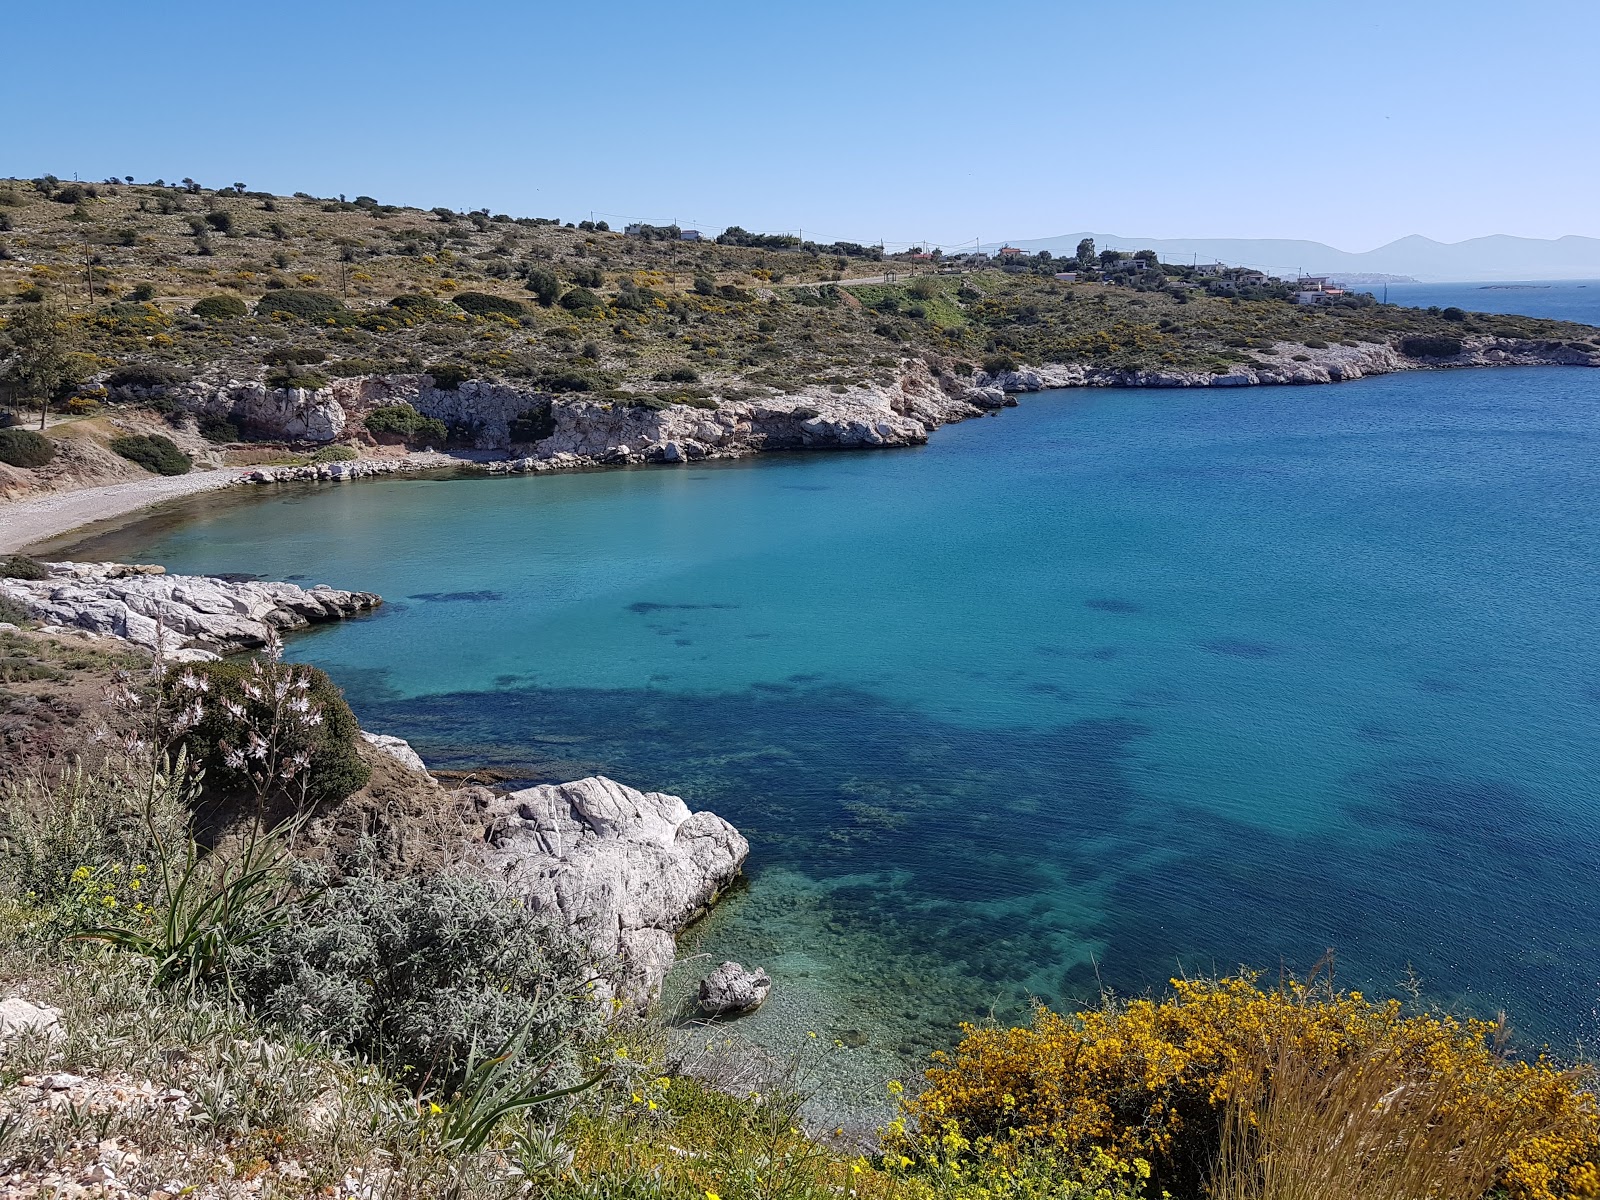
column 626, row 870
column 1293, row 363
column 22, row 1018
column 189, row 617
column 396, row 748
column 730, row 990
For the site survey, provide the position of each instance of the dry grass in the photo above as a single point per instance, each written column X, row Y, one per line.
column 1378, row 1126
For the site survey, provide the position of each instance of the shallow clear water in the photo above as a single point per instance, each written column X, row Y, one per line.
column 1114, row 682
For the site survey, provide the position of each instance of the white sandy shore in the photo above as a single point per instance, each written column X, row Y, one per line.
column 24, row 522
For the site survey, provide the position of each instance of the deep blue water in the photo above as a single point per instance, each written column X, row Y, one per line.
column 1114, row 682
column 1563, row 299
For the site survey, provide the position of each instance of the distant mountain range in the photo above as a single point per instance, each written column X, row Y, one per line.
column 1486, row 258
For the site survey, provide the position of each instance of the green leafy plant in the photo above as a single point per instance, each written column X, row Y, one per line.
column 25, row 448
column 299, row 303
column 481, row 304
column 404, row 422
column 154, row 452
column 220, row 308
column 533, row 424
column 20, row 566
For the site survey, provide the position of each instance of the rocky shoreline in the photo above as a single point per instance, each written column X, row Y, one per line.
column 586, row 433
column 625, row 871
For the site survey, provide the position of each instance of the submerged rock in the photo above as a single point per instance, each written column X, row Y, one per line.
column 731, row 990
column 187, row 617
column 625, row 870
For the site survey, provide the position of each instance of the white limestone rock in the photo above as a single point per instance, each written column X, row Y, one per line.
column 190, row 617
column 19, row 1017
column 396, row 748
column 626, row 870
column 731, row 990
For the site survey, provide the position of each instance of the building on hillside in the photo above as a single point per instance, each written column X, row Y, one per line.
column 1208, row 270
column 1067, row 276
column 688, row 235
column 1315, row 289
column 1011, row 252
column 633, row 230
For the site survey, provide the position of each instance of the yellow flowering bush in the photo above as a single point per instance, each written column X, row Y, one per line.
column 1151, row 1080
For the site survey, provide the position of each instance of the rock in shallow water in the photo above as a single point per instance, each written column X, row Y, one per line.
column 625, row 870
column 731, row 990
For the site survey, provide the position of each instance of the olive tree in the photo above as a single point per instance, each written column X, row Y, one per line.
column 37, row 348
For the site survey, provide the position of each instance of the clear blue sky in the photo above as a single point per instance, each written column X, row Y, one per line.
column 1351, row 122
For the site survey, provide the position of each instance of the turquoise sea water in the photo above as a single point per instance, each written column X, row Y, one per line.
column 1562, row 299
column 1115, row 682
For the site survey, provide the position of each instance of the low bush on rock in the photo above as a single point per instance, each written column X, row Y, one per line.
column 154, row 375
column 404, row 422
column 482, row 304
column 289, row 720
column 299, row 303
column 533, row 424
column 414, row 974
column 220, row 308
column 1430, row 347
column 155, row 453
column 447, row 377
column 581, row 300
column 333, row 454
column 25, row 448
column 20, row 566
column 218, row 429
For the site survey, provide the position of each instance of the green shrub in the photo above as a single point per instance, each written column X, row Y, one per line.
column 348, row 367
column 415, row 974
column 20, row 566
column 155, row 453
column 219, row 308
column 998, row 364
column 678, row 375
column 335, row 768
column 566, row 381
column 544, row 285
column 153, row 375
column 218, row 429
column 403, row 421
column 291, row 356
column 300, row 303
column 333, row 454
column 533, row 425
column 416, row 305
column 25, row 448
column 1454, row 314
column 12, row 613
column 481, row 304
column 447, row 377
column 589, row 277
column 581, row 299
column 221, row 220
column 1430, row 347
column 297, row 377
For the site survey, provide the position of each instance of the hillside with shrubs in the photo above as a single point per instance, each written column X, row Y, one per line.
column 156, row 283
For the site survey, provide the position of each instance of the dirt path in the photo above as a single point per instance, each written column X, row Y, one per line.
column 24, row 522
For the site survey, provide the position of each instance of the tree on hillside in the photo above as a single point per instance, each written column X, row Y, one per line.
column 38, row 354
column 1086, row 252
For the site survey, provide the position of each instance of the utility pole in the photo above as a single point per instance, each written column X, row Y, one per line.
column 88, row 268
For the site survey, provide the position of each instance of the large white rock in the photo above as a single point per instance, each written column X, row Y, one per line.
column 396, row 748
column 625, row 870
column 19, row 1016
column 190, row 617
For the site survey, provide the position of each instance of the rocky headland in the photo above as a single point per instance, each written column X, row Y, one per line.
column 626, row 871
column 185, row 617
